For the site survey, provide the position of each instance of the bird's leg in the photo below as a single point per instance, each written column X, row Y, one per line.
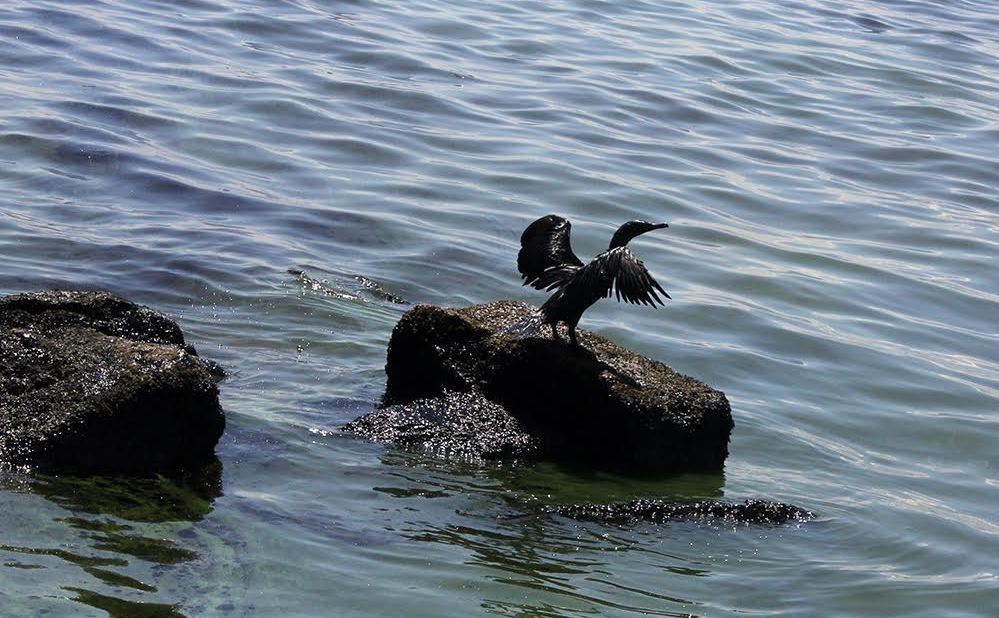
column 554, row 331
column 572, row 334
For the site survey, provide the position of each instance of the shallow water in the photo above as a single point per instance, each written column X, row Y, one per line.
column 829, row 172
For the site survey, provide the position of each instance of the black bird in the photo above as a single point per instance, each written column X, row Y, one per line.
column 546, row 262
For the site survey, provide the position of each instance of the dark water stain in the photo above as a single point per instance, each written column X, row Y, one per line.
column 118, row 580
column 160, row 551
column 90, row 565
column 121, row 608
column 411, row 492
column 21, row 565
column 871, row 24
column 68, row 556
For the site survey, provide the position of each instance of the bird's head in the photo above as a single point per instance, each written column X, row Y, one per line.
column 631, row 229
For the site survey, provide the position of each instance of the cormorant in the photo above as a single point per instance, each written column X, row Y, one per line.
column 546, row 262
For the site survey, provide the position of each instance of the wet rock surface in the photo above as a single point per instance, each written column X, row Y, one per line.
column 660, row 511
column 601, row 404
column 456, row 425
column 90, row 382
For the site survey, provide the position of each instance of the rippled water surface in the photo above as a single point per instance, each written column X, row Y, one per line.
column 829, row 171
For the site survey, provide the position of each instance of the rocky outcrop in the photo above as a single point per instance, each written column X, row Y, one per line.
column 90, row 382
column 660, row 511
column 600, row 404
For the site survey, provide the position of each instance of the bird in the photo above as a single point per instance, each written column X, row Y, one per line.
column 546, row 262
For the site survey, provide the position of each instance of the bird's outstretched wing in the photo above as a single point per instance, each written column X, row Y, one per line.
column 546, row 258
column 618, row 271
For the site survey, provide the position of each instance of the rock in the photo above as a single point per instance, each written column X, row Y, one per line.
column 90, row 382
column 659, row 511
column 601, row 404
column 456, row 426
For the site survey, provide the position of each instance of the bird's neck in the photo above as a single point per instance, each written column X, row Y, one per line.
column 620, row 239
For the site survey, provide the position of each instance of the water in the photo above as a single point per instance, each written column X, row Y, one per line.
column 829, row 172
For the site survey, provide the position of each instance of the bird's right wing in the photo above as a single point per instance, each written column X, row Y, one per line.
column 546, row 259
column 618, row 271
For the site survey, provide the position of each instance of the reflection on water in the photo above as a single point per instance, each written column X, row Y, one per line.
column 128, row 533
column 537, row 556
column 564, row 568
column 549, row 482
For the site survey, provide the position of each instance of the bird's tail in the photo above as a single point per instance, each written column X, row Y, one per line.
column 526, row 327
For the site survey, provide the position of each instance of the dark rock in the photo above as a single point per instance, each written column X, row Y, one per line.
column 600, row 404
column 99, row 311
column 457, row 425
column 90, row 382
column 659, row 511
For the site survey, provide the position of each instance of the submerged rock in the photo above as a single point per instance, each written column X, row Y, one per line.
column 90, row 382
column 660, row 511
column 601, row 404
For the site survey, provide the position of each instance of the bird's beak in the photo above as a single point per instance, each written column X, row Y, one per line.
column 660, row 226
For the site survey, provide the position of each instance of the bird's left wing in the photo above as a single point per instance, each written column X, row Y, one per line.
column 618, row 271
column 546, row 258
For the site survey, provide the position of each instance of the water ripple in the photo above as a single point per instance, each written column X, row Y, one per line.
column 829, row 173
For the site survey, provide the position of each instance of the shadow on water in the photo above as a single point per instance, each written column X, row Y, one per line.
column 110, row 514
